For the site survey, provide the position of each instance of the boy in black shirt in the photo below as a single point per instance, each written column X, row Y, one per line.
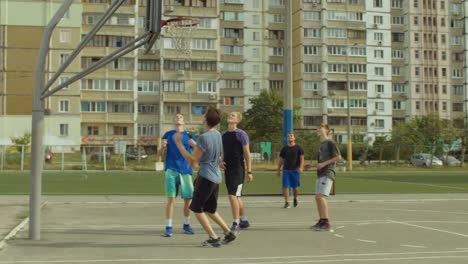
column 292, row 161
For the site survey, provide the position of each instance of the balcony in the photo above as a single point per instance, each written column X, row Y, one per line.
column 188, row 97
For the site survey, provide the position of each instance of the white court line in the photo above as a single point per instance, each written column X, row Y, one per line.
column 339, row 236
column 430, row 228
column 367, row 241
column 408, row 210
column 13, row 232
column 277, row 201
column 461, row 248
column 422, row 184
column 257, row 258
column 412, row 246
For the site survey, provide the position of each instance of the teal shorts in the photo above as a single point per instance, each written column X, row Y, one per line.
column 174, row 179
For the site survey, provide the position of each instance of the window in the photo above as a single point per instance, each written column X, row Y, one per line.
column 275, row 51
column 199, row 109
column 379, row 54
column 120, row 130
column 92, row 130
column 63, row 80
column 233, row 100
column 232, row 16
column 311, row 50
column 398, row 20
column 418, row 105
column 358, row 86
column 173, row 86
column 64, row 106
column 148, row 65
column 65, row 36
column 416, row 71
column 457, row 89
column 63, row 129
column 378, row 20
column 231, row 84
column 379, row 123
column 378, row 3
column 396, row 71
column 312, row 67
column 232, row 50
column 171, row 109
column 312, row 86
column 397, row 4
column 256, row 36
column 312, row 33
column 206, row 87
column 276, row 67
column 416, row 37
column 379, row 71
column 379, row 88
column 63, row 57
column 145, row 108
column 148, row 86
column 147, row 129
column 378, row 36
column 309, row 15
column 415, row 20
column 311, row 103
column 203, row 44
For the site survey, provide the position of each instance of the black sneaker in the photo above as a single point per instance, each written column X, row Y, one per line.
column 316, row 225
column 286, row 205
column 295, row 202
column 229, row 238
column 212, row 242
column 324, row 226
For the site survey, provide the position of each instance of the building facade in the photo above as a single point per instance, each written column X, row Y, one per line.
column 383, row 61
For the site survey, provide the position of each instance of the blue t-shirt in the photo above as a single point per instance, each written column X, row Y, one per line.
column 174, row 159
column 211, row 144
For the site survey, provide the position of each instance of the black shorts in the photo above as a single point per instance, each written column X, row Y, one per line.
column 235, row 181
column 205, row 196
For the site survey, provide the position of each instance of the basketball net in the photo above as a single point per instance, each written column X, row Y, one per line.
column 181, row 32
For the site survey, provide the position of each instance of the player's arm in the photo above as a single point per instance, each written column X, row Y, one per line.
column 248, row 161
column 280, row 164
column 191, row 158
column 192, row 141
column 163, row 148
column 328, row 162
column 301, row 166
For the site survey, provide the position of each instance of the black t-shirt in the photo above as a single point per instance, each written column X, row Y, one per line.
column 291, row 157
column 233, row 143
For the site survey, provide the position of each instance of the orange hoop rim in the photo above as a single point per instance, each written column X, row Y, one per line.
column 175, row 22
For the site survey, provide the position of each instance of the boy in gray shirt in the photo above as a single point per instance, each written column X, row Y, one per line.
column 328, row 155
column 205, row 197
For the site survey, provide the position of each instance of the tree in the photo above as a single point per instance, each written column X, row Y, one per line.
column 20, row 141
column 264, row 119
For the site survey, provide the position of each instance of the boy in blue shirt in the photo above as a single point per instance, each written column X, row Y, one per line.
column 178, row 173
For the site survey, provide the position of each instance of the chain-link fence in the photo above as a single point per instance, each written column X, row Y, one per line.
column 264, row 156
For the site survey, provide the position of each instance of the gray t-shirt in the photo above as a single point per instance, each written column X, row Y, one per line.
column 327, row 151
column 211, row 144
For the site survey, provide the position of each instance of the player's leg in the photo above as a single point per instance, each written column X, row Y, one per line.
column 186, row 189
column 286, row 186
column 295, row 183
column 323, row 188
column 171, row 192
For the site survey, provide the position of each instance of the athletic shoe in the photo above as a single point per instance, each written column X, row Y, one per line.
column 168, row 232
column 188, row 229
column 244, row 224
column 286, row 205
column 235, row 228
column 295, row 202
column 212, row 242
column 229, row 238
column 324, row 226
column 316, row 225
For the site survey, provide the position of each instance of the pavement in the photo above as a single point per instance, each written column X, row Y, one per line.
column 392, row 228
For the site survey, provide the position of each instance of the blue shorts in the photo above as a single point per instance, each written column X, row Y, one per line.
column 174, row 179
column 291, row 179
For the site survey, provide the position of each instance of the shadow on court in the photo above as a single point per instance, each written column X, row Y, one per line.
column 431, row 228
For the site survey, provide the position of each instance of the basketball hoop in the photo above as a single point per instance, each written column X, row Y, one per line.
column 181, row 30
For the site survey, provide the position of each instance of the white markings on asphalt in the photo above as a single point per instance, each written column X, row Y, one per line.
column 344, row 257
column 13, row 232
column 366, row 241
column 339, row 236
column 412, row 246
column 339, row 227
column 430, row 228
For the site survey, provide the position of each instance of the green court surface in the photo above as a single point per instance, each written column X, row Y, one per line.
column 265, row 182
column 367, row 228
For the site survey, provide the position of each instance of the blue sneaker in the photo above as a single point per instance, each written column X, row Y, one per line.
column 188, row 229
column 244, row 224
column 168, row 232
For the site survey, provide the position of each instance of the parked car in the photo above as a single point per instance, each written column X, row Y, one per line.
column 96, row 154
column 450, row 160
column 424, row 159
column 132, row 154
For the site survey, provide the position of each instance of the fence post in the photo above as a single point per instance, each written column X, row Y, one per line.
column 2, row 159
column 63, row 158
column 84, row 166
column 22, row 157
column 104, row 157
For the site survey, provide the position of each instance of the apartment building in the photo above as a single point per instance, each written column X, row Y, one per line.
column 21, row 28
column 387, row 61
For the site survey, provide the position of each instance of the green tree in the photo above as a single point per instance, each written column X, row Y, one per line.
column 23, row 140
column 264, row 119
